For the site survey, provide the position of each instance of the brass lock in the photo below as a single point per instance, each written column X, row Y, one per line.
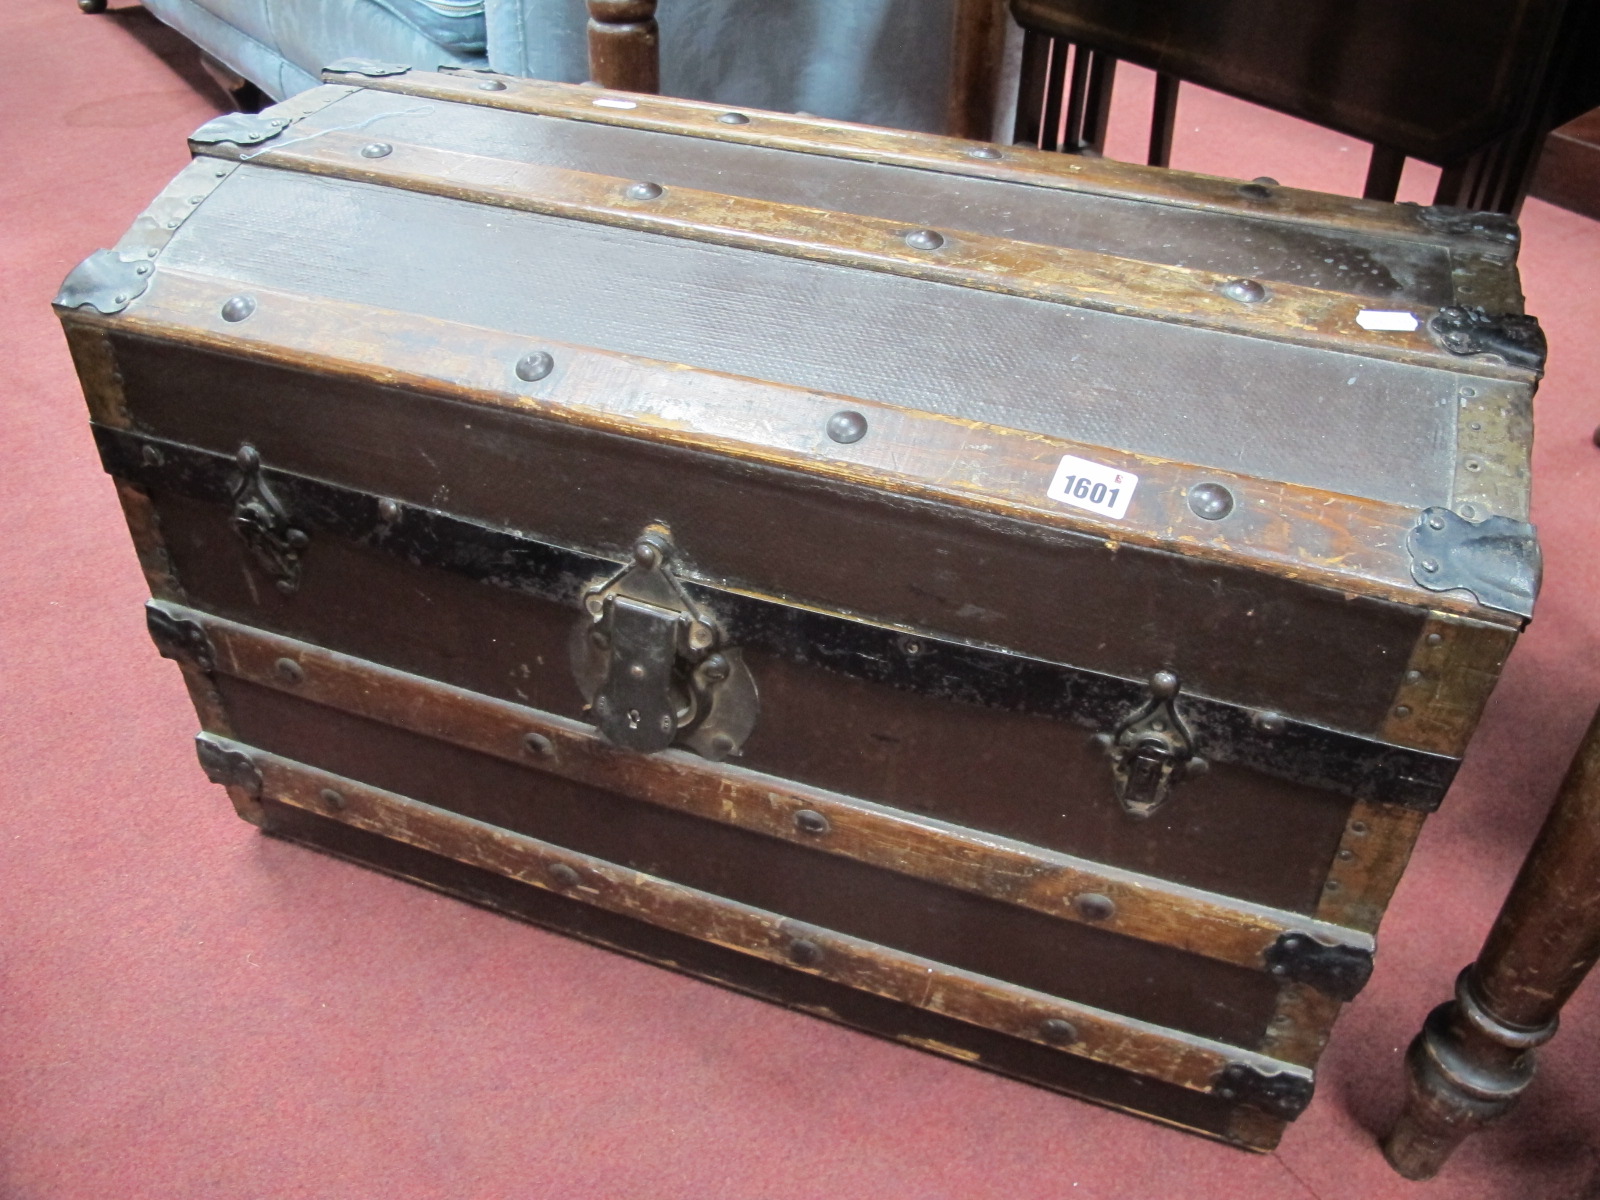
column 653, row 665
column 1152, row 751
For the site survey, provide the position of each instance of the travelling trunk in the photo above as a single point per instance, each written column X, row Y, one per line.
column 1016, row 604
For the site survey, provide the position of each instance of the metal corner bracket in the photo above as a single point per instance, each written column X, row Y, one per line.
column 242, row 129
column 225, row 763
column 1281, row 1093
column 1334, row 969
column 1515, row 337
column 1497, row 560
column 179, row 638
column 106, row 282
column 1465, row 222
column 364, row 66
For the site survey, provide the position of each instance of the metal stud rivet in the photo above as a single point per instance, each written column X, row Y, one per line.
column 1346, row 855
column 644, row 191
column 122, row 299
column 1434, row 639
column 237, row 308
column 1402, row 710
column 1469, row 392
column 984, row 152
column 924, row 239
column 1468, row 511
column 1269, row 722
column 563, row 875
column 806, row 953
column 1430, row 565
column 808, row 820
column 491, row 85
column 332, row 799
column 733, row 118
column 1092, row 906
column 1268, row 180
column 847, row 427
column 1245, row 291
column 1473, row 464
column 1254, row 191
column 1210, row 501
column 534, row 367
column 1332, row 885
column 388, row 511
column 1058, row 1032
column 721, row 744
column 1413, row 675
column 142, row 269
column 376, row 150
column 1359, row 828
column 152, row 455
column 537, row 744
column 288, row 670
column 910, row 647
column 1475, row 425
column 1435, row 522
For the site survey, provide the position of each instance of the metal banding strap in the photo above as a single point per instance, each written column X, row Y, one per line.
column 943, row 669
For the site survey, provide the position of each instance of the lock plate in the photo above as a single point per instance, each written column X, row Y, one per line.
column 1152, row 751
column 654, row 666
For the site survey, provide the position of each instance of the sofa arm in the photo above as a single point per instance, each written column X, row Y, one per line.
column 882, row 62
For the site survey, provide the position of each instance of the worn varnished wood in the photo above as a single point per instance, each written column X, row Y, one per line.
column 977, row 48
column 1145, row 907
column 928, row 151
column 1184, row 1060
column 1453, row 668
column 919, row 1028
column 1475, row 1056
column 1368, row 864
column 624, row 45
column 1290, row 313
column 1355, row 546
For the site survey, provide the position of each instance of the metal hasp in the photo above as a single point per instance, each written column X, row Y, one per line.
column 1152, row 751
column 1513, row 336
column 1334, row 969
column 1497, row 560
column 1279, row 1093
column 260, row 518
column 652, row 664
column 365, row 66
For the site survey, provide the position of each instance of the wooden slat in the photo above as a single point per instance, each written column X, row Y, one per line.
column 1019, row 164
column 1354, row 545
column 1148, row 908
column 1290, row 313
column 1187, row 1061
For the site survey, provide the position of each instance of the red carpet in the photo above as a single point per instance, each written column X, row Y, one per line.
column 190, row 1010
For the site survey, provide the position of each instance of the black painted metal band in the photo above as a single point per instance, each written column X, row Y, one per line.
column 963, row 672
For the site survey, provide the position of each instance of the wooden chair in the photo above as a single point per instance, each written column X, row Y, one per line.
column 624, row 53
column 1474, row 1057
column 1471, row 85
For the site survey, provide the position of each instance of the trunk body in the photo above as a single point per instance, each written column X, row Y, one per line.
column 1020, row 607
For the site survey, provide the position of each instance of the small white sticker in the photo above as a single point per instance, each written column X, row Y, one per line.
column 1380, row 321
column 608, row 102
column 1091, row 485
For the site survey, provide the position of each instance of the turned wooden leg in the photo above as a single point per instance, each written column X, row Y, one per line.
column 624, row 45
column 1474, row 1056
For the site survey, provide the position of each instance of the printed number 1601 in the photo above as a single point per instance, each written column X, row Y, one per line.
column 1093, row 486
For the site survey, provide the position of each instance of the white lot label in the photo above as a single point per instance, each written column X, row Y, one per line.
column 608, row 102
column 1101, row 489
column 1379, row 321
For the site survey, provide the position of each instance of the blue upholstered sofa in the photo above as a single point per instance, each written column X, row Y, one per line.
column 885, row 62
